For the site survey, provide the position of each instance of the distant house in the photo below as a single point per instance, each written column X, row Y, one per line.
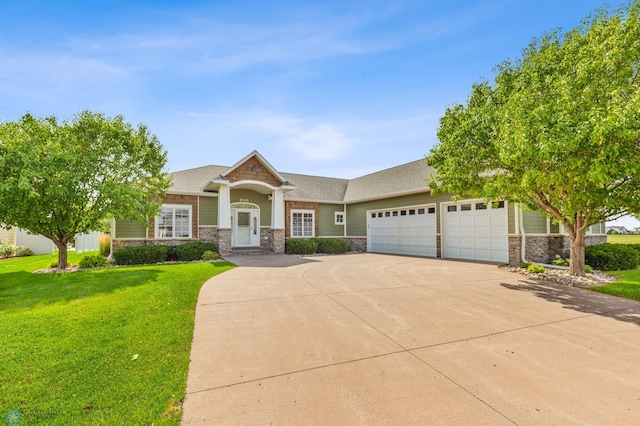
column 23, row 238
column 251, row 206
column 617, row 229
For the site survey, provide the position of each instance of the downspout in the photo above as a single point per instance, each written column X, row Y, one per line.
column 523, row 240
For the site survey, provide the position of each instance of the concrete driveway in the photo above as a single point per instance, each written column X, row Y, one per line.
column 376, row 339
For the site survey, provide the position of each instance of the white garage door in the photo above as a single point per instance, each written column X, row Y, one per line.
column 407, row 230
column 474, row 230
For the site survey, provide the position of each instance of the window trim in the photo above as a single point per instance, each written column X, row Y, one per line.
column 335, row 218
column 313, row 223
column 188, row 207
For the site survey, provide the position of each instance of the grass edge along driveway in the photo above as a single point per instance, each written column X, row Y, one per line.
column 106, row 346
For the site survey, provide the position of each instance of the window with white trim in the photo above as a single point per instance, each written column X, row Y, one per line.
column 302, row 223
column 174, row 221
column 339, row 218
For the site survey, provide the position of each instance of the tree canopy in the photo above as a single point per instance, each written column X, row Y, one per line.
column 59, row 178
column 557, row 131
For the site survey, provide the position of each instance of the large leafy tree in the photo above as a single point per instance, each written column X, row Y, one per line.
column 558, row 131
column 58, row 178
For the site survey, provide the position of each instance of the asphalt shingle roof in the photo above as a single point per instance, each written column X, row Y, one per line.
column 397, row 180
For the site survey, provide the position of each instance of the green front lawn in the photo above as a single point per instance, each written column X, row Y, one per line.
column 107, row 346
column 623, row 239
column 628, row 285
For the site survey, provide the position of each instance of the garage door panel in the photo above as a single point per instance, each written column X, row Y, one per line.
column 412, row 234
column 477, row 233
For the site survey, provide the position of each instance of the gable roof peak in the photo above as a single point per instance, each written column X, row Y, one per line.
column 261, row 159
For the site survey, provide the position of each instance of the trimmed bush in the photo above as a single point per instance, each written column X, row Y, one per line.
column 559, row 261
column 588, row 269
column 141, row 255
column 105, row 244
column 535, row 269
column 611, row 257
column 210, row 255
column 299, row 246
column 93, row 261
column 54, row 264
column 24, row 251
column 7, row 249
column 193, row 251
column 330, row 245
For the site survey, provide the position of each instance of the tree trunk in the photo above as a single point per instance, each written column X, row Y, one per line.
column 62, row 254
column 576, row 266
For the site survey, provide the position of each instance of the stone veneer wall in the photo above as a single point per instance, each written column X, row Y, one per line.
column 357, row 244
column 277, row 240
column 265, row 238
column 224, row 241
column 208, row 234
column 515, row 250
column 544, row 248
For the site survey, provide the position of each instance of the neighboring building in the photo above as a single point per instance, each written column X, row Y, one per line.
column 619, row 229
column 252, row 206
column 23, row 238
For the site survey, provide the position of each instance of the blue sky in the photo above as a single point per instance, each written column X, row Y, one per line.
column 335, row 88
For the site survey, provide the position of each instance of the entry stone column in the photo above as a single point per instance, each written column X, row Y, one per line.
column 224, row 220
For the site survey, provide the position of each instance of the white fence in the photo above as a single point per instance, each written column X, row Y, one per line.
column 88, row 242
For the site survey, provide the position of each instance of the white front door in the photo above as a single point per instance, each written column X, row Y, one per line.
column 246, row 228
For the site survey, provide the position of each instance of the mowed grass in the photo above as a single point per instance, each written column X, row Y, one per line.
column 628, row 285
column 106, row 346
column 623, row 239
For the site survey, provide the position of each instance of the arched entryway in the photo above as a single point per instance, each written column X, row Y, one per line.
column 245, row 225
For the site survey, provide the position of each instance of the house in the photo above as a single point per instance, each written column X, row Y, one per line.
column 253, row 206
column 618, row 229
column 23, row 238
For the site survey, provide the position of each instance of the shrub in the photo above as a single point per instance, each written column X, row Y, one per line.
column 7, row 249
column 330, row 245
column 611, row 257
column 140, row 255
column 299, row 246
column 559, row 261
column 193, row 251
column 24, row 251
column 588, row 269
column 210, row 255
column 525, row 265
column 535, row 269
column 93, row 261
column 105, row 244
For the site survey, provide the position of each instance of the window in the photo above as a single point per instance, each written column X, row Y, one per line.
column 412, row 212
column 339, row 216
column 497, row 205
column 420, row 211
column 431, row 210
column 403, row 212
column 452, row 208
column 395, row 213
column 302, row 223
column 481, row 206
column 174, row 222
column 465, row 207
column 387, row 214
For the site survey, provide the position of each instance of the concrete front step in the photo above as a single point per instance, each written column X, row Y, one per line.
column 250, row 250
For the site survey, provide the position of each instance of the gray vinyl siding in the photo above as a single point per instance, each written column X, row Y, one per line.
column 130, row 229
column 326, row 220
column 8, row 235
column 208, row 211
column 357, row 213
column 256, row 198
column 534, row 223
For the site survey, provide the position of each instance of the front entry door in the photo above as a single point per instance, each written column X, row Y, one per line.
column 246, row 228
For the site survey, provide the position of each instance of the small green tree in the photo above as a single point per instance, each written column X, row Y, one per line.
column 61, row 178
column 558, row 131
